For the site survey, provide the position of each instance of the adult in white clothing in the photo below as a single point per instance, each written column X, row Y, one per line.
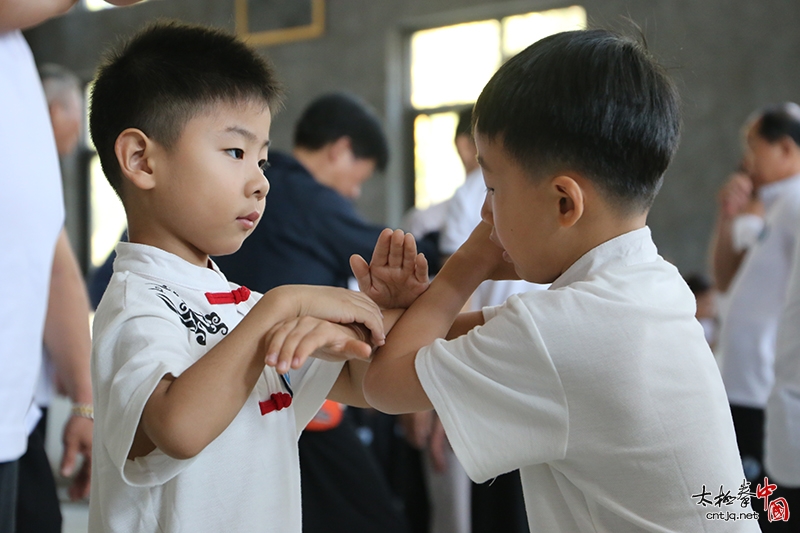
column 756, row 277
column 30, row 176
column 782, row 432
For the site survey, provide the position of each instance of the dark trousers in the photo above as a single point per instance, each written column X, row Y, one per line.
column 498, row 505
column 343, row 487
column 8, row 495
column 748, row 423
column 38, row 510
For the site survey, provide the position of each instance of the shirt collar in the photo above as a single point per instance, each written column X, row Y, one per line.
column 155, row 263
column 771, row 192
column 629, row 248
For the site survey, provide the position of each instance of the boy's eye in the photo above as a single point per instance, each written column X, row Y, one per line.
column 236, row 153
column 264, row 164
column 489, row 190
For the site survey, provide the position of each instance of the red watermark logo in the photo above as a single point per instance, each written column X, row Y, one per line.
column 777, row 509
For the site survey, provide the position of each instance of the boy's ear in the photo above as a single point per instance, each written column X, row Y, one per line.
column 134, row 155
column 570, row 200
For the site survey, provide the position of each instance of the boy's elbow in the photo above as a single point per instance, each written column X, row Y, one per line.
column 180, row 450
column 176, row 440
column 375, row 389
column 379, row 391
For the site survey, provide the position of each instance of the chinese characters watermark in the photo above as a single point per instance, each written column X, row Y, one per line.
column 777, row 510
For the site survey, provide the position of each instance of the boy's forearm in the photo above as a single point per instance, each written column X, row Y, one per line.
column 391, row 384
column 349, row 386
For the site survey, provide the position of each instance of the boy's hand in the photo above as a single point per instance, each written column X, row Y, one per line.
column 291, row 342
column 336, row 305
column 396, row 275
column 482, row 251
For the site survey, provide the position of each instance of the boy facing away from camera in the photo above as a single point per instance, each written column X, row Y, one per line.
column 196, row 415
column 602, row 390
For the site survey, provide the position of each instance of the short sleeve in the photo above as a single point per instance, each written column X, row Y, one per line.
column 311, row 385
column 498, row 394
column 143, row 352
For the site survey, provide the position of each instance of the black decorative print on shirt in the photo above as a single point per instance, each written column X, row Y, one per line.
column 201, row 325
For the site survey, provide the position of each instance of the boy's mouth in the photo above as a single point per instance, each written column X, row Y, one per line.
column 249, row 220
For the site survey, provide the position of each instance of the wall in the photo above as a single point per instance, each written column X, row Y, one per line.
column 728, row 56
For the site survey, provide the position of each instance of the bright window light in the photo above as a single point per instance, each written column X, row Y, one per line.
column 97, row 5
column 520, row 31
column 108, row 215
column 450, row 65
column 437, row 167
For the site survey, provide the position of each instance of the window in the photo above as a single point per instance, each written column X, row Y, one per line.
column 106, row 215
column 97, row 5
column 449, row 67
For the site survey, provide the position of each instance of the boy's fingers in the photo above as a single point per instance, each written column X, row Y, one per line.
column 367, row 312
column 309, row 343
column 360, row 349
column 360, row 270
column 292, row 341
column 380, row 255
column 409, row 251
column 277, row 336
column 396, row 249
column 421, row 269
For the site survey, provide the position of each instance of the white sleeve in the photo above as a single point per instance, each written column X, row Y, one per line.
column 311, row 384
column 463, row 214
column 497, row 393
column 146, row 349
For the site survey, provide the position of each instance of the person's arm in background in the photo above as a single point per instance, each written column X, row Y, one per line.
column 734, row 198
column 67, row 340
column 23, row 14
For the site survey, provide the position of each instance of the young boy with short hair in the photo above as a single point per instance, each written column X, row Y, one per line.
column 192, row 432
column 602, row 389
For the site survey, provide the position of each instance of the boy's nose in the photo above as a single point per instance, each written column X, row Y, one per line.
column 259, row 185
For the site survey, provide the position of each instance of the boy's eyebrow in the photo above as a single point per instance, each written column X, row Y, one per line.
column 247, row 134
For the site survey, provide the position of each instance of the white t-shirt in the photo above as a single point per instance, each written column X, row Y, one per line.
column 603, row 392
column 153, row 320
column 31, row 216
column 782, row 448
column 420, row 222
column 463, row 214
column 747, row 337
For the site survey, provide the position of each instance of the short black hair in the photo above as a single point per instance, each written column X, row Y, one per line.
column 335, row 115
column 164, row 76
column 464, row 126
column 591, row 101
column 776, row 121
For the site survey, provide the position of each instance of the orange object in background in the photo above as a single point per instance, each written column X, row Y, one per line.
column 328, row 417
